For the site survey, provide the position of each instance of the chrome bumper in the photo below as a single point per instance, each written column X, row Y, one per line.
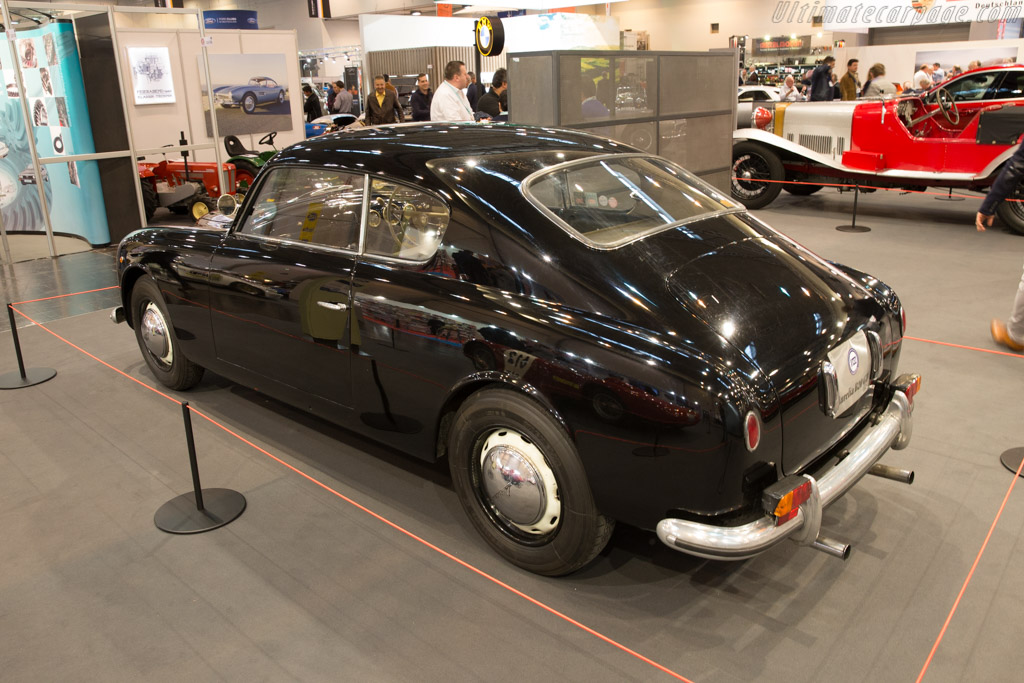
column 893, row 430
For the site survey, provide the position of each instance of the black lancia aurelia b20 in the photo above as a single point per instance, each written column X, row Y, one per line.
column 587, row 333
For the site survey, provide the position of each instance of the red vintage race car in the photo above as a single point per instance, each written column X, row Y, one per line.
column 956, row 135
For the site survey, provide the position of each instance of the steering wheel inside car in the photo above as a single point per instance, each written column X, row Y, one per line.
column 947, row 105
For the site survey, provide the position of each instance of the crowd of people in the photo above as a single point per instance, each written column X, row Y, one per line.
column 822, row 83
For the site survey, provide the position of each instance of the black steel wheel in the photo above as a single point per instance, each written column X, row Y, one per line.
column 757, row 173
column 249, row 103
column 522, row 484
column 155, row 335
column 1012, row 212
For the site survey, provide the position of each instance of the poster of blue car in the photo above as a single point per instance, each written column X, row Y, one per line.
column 250, row 94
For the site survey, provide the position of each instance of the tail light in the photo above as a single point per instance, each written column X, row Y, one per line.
column 910, row 387
column 783, row 499
column 751, row 431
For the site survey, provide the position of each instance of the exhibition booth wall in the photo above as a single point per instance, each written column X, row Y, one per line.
column 901, row 61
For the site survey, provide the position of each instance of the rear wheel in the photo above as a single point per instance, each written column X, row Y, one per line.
column 245, row 174
column 1012, row 213
column 157, row 341
column 521, row 482
column 757, row 173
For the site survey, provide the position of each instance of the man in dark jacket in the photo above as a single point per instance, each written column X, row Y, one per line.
column 382, row 105
column 490, row 101
column 420, row 98
column 312, row 106
column 473, row 91
column 821, row 81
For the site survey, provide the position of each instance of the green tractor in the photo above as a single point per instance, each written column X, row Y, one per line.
column 247, row 162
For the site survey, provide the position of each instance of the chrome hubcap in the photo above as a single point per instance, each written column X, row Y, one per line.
column 518, row 484
column 155, row 335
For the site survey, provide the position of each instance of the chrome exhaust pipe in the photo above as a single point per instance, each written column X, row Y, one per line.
column 832, row 547
column 117, row 316
column 894, row 473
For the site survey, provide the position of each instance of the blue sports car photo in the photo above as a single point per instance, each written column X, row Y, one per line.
column 259, row 90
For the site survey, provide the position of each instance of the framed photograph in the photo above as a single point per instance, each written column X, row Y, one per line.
column 151, row 75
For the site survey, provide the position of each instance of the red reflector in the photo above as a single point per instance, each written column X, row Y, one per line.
column 903, row 320
column 752, row 431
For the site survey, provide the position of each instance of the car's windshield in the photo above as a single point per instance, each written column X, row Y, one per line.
column 612, row 200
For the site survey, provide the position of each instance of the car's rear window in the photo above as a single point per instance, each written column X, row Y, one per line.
column 609, row 201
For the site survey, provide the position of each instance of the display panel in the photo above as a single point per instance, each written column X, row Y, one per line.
column 152, row 81
column 59, row 121
column 250, row 94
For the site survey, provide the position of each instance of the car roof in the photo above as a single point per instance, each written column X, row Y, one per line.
column 403, row 150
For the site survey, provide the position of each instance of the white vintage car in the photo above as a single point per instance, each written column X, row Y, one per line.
column 956, row 135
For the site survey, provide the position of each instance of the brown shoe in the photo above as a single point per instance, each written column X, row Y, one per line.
column 1001, row 336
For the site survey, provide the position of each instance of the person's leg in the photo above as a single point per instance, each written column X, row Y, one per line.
column 1015, row 324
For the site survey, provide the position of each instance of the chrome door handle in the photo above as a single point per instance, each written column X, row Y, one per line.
column 332, row 306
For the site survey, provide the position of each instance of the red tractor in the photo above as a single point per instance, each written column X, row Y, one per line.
column 183, row 186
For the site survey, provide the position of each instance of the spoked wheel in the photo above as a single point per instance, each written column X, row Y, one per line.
column 756, row 174
column 156, row 339
column 522, row 484
column 1012, row 212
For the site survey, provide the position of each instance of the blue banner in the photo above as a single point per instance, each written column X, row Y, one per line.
column 59, row 121
column 230, row 18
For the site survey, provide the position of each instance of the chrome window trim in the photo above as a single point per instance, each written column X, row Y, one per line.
column 524, row 189
column 366, row 226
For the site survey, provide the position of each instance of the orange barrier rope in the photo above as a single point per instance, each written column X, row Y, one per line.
column 970, row 574
column 61, row 296
column 380, row 518
column 969, row 348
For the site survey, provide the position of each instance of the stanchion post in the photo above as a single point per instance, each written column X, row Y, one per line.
column 17, row 344
column 186, row 413
column 23, row 378
column 198, row 511
column 853, row 227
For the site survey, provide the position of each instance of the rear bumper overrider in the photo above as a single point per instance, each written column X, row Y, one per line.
column 891, row 430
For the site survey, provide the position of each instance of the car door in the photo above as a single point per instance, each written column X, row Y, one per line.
column 409, row 334
column 280, row 281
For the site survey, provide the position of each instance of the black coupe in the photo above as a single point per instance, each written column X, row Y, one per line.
column 587, row 333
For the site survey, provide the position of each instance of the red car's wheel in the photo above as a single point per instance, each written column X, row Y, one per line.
column 757, row 174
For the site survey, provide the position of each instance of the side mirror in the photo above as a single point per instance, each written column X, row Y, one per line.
column 227, row 204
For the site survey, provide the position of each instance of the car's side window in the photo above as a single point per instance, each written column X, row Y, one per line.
column 746, row 96
column 308, row 205
column 972, row 88
column 1011, row 87
column 404, row 222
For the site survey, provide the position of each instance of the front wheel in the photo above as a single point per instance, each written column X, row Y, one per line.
column 249, row 103
column 521, row 482
column 157, row 341
column 757, row 173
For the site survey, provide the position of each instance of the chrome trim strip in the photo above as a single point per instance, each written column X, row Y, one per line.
column 739, row 543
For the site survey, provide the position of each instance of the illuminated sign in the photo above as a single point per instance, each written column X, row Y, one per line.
column 776, row 45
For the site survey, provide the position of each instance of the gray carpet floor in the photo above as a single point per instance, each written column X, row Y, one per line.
column 308, row 586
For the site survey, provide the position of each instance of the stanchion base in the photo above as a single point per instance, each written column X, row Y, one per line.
column 33, row 376
column 853, row 228
column 1011, row 459
column 180, row 516
column 950, row 199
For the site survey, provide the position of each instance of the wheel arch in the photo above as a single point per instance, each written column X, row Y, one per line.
column 463, row 390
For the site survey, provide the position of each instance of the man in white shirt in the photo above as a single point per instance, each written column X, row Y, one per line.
column 923, row 78
column 450, row 103
column 788, row 91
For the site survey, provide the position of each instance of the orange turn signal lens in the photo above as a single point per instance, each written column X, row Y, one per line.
column 784, row 499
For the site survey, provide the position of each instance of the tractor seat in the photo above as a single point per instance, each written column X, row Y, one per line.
column 235, row 147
